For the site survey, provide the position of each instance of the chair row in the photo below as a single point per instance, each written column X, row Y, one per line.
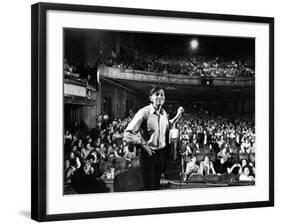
column 217, row 179
column 234, row 157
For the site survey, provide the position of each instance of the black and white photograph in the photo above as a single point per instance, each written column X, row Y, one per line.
column 141, row 111
column 147, row 111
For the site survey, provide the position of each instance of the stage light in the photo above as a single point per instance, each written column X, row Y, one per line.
column 194, row 44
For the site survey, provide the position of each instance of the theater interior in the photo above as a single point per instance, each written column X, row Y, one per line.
column 102, row 78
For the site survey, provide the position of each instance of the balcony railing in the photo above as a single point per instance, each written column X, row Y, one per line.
column 144, row 76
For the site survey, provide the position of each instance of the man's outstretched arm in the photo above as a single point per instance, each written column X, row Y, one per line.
column 179, row 112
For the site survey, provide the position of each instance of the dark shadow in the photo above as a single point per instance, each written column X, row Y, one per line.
column 25, row 214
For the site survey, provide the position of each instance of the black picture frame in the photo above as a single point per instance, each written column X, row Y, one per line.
column 39, row 108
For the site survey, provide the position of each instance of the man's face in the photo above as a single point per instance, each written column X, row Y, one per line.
column 158, row 98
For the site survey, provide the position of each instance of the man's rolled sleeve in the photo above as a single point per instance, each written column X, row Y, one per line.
column 131, row 133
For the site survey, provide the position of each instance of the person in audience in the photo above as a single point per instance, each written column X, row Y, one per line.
column 88, row 169
column 130, row 155
column 191, row 167
column 76, row 151
column 224, row 154
column 223, row 165
column 67, row 140
column 245, row 146
column 246, row 174
column 173, row 140
column 207, row 167
column 238, row 167
column 85, row 152
column 72, row 164
column 67, row 135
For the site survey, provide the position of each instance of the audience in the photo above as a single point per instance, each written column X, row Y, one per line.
column 246, row 174
column 208, row 144
column 204, row 143
column 192, row 66
column 91, row 149
column 227, row 143
column 191, row 167
column 206, row 167
column 197, row 134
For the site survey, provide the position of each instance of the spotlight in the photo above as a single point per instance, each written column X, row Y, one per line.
column 194, row 44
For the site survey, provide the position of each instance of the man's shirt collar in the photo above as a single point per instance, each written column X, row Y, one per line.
column 152, row 110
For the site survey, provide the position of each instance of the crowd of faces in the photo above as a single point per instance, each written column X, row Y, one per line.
column 208, row 144
column 100, row 152
column 220, row 145
column 191, row 66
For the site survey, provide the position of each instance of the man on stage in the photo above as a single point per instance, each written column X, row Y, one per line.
column 147, row 130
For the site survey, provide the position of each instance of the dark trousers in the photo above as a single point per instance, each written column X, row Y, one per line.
column 164, row 158
column 151, row 167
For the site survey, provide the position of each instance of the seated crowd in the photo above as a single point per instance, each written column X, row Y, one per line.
column 192, row 66
column 100, row 152
column 85, row 74
column 217, row 145
column 208, row 144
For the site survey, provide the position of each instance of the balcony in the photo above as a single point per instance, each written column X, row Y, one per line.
column 152, row 77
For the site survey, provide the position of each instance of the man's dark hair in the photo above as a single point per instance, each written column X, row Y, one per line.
column 155, row 89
